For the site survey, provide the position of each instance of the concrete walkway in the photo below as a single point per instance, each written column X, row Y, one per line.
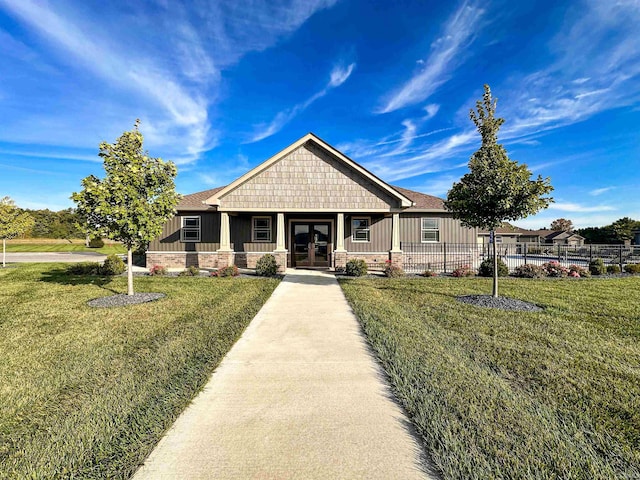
column 298, row 397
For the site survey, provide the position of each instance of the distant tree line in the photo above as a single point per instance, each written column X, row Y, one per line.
column 619, row 231
column 48, row 224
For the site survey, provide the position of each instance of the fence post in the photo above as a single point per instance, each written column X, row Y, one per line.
column 621, row 258
column 590, row 253
column 444, row 249
column 526, row 247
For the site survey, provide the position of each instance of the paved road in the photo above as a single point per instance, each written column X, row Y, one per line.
column 53, row 257
column 298, row 397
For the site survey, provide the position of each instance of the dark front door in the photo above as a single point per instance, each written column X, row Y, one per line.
column 311, row 244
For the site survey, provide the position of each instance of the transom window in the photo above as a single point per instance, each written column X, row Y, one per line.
column 360, row 229
column 261, row 229
column 430, row 230
column 190, row 231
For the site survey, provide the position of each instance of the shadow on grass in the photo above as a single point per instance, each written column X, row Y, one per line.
column 61, row 276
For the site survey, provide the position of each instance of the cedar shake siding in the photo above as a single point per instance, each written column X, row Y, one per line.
column 308, row 179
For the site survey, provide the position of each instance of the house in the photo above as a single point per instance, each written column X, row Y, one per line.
column 510, row 234
column 310, row 206
column 636, row 237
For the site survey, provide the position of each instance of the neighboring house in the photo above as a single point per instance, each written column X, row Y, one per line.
column 636, row 237
column 511, row 234
column 310, row 206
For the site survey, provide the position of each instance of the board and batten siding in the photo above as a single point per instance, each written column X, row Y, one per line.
column 240, row 229
column 308, row 178
column 451, row 231
column 379, row 234
column 169, row 240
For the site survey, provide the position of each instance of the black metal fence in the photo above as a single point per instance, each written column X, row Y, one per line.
column 446, row 257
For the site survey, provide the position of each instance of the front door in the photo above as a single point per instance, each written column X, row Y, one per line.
column 311, row 245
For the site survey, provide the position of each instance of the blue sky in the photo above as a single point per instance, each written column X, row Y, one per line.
column 221, row 86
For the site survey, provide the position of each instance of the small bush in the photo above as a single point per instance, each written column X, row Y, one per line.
column 554, row 269
column 266, row 265
column 464, row 271
column 158, row 270
column 486, row 268
column 529, row 271
column 578, row 272
column 356, row 267
column 113, row 265
column 96, row 242
column 229, row 271
column 429, row 273
column 632, row 268
column 613, row 269
column 341, row 270
column 191, row 271
column 84, row 268
column 596, row 267
column 393, row 271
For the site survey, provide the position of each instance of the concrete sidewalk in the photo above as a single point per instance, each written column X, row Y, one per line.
column 298, row 397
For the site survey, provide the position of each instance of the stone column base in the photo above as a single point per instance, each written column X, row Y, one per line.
column 225, row 258
column 396, row 258
column 281, row 260
column 340, row 258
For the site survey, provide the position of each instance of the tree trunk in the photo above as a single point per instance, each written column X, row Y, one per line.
column 4, row 252
column 129, row 271
column 495, row 266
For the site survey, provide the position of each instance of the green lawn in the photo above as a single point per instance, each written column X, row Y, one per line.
column 108, row 249
column 86, row 393
column 548, row 395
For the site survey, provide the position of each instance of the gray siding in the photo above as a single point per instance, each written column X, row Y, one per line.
column 309, row 178
column 241, row 234
column 379, row 233
column 451, row 231
column 169, row 240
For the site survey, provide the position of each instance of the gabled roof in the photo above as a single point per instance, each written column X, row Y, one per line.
column 404, row 201
column 195, row 201
column 422, row 201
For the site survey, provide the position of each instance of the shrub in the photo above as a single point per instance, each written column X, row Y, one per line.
column 229, row 271
column 632, row 268
column 191, row 271
column 157, row 270
column 84, row 268
column 464, row 271
column 341, row 270
column 529, row 271
column 486, row 268
column 576, row 271
column 113, row 265
column 613, row 269
column 392, row 271
column 429, row 273
column 554, row 269
column 356, row 267
column 596, row 267
column 266, row 265
column 96, row 242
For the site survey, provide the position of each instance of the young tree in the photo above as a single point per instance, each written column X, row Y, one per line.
column 562, row 224
column 496, row 189
column 13, row 222
column 134, row 199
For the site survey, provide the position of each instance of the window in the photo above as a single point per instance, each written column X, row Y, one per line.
column 190, row 231
column 430, row 230
column 261, row 229
column 360, row 230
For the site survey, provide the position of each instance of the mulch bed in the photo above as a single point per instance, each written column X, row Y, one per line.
column 122, row 300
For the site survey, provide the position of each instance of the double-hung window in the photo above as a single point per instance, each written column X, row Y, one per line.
column 360, row 229
column 261, row 229
column 190, row 231
column 430, row 230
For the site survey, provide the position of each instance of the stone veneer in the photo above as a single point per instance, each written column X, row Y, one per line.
column 183, row 260
column 375, row 259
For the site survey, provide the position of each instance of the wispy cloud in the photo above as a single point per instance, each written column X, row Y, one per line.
column 576, row 207
column 438, row 186
column 600, row 191
column 339, row 74
column 445, row 56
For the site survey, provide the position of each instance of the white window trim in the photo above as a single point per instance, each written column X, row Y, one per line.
column 422, row 229
column 253, row 229
column 353, row 230
column 192, row 229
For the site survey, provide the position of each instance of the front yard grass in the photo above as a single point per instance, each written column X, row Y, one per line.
column 546, row 395
column 87, row 392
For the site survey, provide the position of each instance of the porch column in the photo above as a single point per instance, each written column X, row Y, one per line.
column 395, row 255
column 340, row 254
column 225, row 254
column 281, row 250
